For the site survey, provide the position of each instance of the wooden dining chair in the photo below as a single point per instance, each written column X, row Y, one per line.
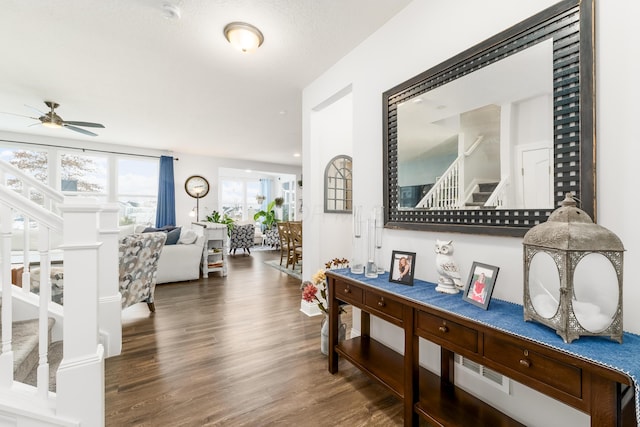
column 295, row 241
column 285, row 250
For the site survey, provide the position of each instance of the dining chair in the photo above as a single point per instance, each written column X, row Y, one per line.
column 285, row 250
column 295, row 241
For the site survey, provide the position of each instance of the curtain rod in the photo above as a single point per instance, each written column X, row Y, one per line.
column 82, row 149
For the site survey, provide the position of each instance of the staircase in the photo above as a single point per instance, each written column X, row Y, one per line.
column 25, row 343
column 52, row 357
column 480, row 197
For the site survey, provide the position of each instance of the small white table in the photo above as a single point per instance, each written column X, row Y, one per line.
column 214, row 249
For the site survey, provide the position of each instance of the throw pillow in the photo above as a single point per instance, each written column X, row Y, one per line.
column 173, row 236
column 188, row 237
column 151, row 230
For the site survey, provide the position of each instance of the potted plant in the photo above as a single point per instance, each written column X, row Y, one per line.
column 268, row 216
column 279, row 201
column 221, row 219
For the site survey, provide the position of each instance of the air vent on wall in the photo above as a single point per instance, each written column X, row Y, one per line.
column 489, row 376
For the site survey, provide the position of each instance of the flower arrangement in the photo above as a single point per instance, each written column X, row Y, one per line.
column 319, row 282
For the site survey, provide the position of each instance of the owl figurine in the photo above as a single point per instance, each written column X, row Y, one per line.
column 449, row 281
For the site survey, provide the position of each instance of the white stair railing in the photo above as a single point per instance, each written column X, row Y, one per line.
column 91, row 304
column 498, row 197
column 445, row 193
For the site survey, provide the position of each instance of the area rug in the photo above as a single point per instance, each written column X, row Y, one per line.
column 297, row 272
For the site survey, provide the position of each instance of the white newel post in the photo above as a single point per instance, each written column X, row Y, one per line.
column 6, row 358
column 109, row 298
column 80, row 378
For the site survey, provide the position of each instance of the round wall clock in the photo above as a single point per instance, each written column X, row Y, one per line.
column 196, row 186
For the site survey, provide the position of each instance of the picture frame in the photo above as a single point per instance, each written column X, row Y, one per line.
column 479, row 289
column 402, row 267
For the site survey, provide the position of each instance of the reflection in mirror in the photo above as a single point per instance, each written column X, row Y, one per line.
column 482, row 141
column 338, row 185
column 486, row 138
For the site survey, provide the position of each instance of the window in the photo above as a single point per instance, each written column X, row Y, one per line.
column 130, row 181
column 137, row 190
column 289, row 206
column 82, row 175
column 31, row 162
column 238, row 198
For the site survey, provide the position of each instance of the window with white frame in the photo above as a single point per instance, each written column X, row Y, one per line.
column 238, row 198
column 137, row 193
column 130, row 181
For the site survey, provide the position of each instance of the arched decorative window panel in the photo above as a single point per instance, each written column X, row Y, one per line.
column 338, row 185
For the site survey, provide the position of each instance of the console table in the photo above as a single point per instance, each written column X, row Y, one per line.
column 593, row 374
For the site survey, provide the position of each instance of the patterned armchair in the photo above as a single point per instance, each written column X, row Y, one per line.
column 272, row 237
column 242, row 237
column 139, row 254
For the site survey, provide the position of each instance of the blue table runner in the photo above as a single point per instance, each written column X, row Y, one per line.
column 509, row 317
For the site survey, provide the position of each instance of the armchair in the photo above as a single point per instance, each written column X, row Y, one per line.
column 242, row 236
column 139, row 254
column 272, row 237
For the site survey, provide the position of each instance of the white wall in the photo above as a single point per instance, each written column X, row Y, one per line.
column 331, row 121
column 423, row 35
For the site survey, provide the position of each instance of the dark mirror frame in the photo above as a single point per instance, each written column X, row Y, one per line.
column 570, row 24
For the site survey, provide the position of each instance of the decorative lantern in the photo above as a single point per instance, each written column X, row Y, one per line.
column 573, row 275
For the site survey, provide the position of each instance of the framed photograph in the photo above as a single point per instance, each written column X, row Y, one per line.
column 402, row 266
column 480, row 285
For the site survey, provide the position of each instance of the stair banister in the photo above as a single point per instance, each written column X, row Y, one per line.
column 50, row 195
column 497, row 196
column 83, row 356
column 109, row 298
column 6, row 358
column 37, row 213
column 434, row 198
column 473, row 147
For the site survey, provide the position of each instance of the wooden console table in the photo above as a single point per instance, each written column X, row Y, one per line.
column 568, row 375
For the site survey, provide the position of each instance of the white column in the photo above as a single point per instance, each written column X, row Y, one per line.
column 109, row 298
column 80, row 378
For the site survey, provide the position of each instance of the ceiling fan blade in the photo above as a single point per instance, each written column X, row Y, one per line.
column 87, row 124
column 35, row 109
column 19, row 115
column 76, row 129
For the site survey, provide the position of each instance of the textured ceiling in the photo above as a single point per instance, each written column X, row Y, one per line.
column 176, row 84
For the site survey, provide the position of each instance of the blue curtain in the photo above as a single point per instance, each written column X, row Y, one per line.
column 265, row 189
column 166, row 211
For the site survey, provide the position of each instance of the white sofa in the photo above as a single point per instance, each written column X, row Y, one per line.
column 177, row 262
column 180, row 262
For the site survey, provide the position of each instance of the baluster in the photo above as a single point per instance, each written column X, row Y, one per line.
column 26, row 254
column 43, row 324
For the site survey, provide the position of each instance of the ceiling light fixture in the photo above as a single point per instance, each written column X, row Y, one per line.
column 170, row 11
column 243, row 36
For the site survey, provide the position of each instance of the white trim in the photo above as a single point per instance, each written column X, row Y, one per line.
column 309, row 308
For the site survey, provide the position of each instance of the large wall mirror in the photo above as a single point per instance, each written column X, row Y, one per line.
column 490, row 140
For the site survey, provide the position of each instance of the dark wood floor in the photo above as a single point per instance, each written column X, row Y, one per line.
column 235, row 351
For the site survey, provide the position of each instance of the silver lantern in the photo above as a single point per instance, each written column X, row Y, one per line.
column 573, row 275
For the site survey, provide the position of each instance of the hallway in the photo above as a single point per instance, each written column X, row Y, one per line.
column 235, row 351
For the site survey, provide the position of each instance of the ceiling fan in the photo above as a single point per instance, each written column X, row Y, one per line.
column 53, row 120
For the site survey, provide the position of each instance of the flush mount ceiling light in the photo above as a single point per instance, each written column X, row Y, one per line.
column 170, row 11
column 243, row 36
